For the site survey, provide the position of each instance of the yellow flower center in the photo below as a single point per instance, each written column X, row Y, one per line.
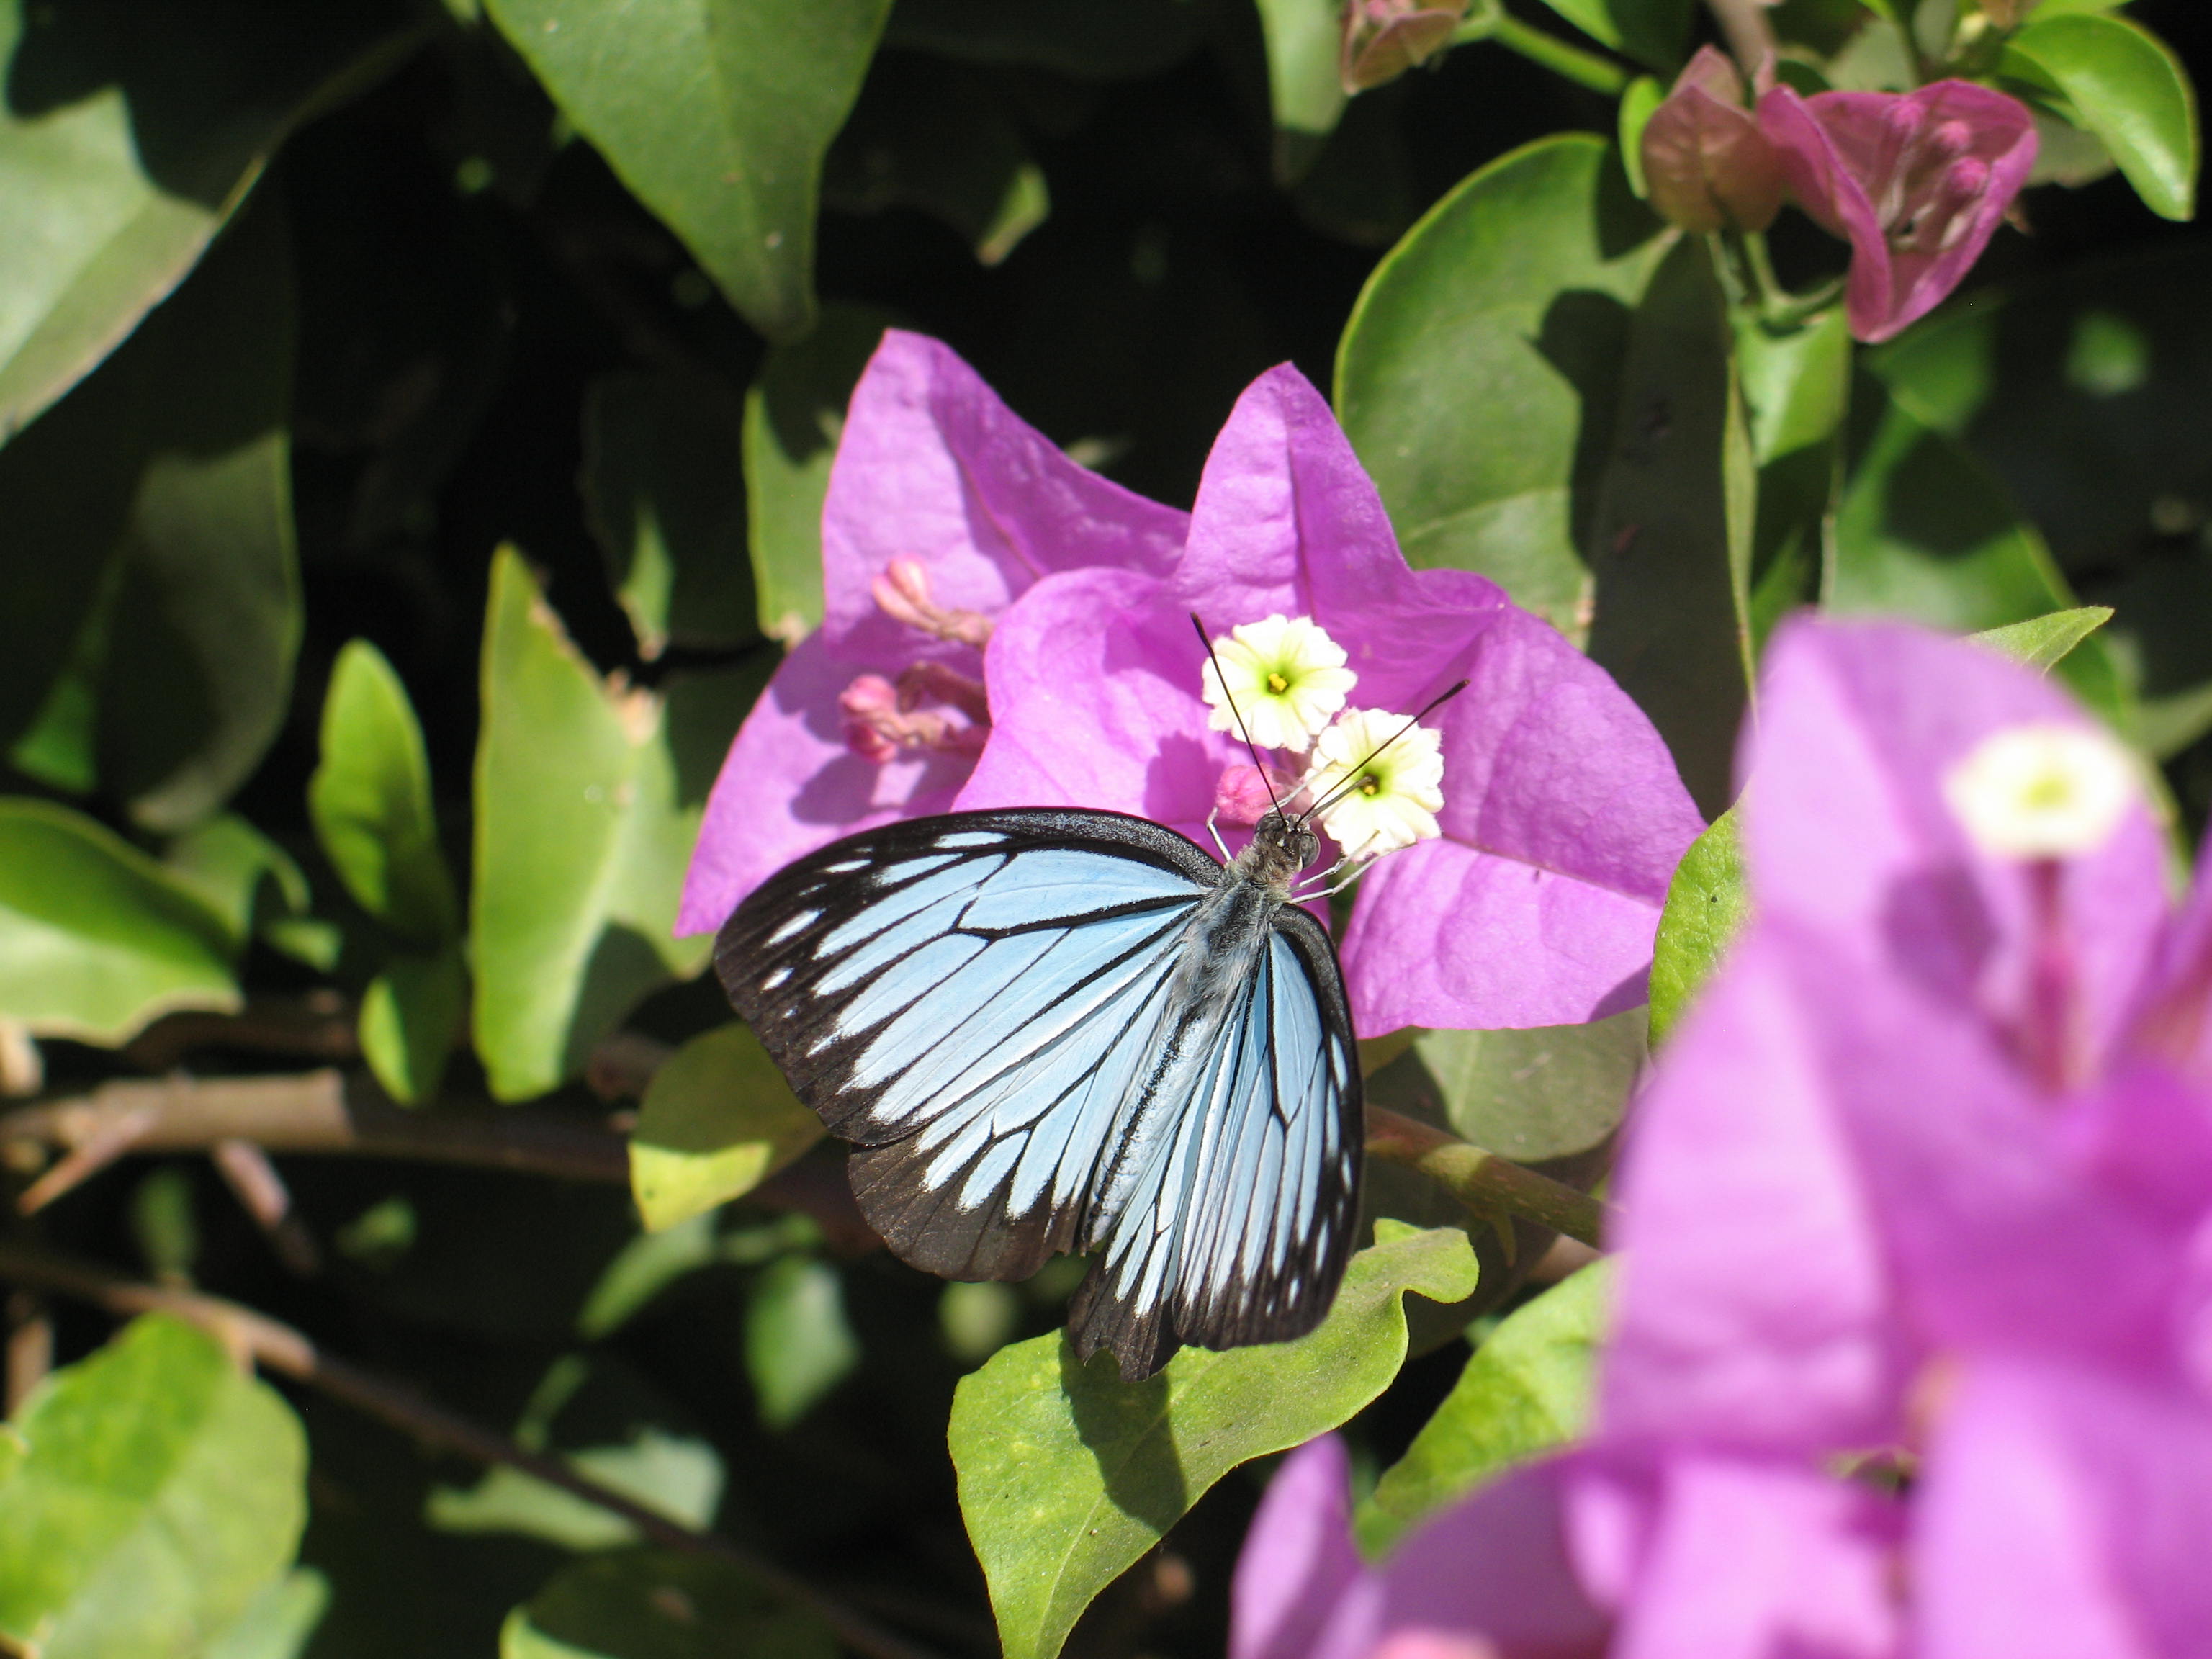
column 1278, row 682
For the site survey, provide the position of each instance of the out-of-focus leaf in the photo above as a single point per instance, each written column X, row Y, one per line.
column 1526, row 1389
column 2127, row 87
column 672, row 1475
column 1797, row 391
column 1708, row 902
column 411, row 1016
column 977, row 1318
column 717, row 114
column 662, row 483
column 1653, row 31
column 2045, row 641
column 95, row 937
column 1645, row 95
column 1067, row 1474
column 165, row 1223
column 795, row 415
column 647, row 1265
column 1543, row 1092
column 1669, row 545
column 648, row 1604
column 798, row 1344
column 1477, row 375
column 928, row 136
column 717, row 1120
column 1303, row 38
column 127, row 138
column 579, row 851
column 159, row 1492
column 230, row 865
column 371, row 803
column 154, row 603
column 280, row 1622
column 1089, row 40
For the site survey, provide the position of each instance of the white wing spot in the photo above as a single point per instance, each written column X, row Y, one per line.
column 971, row 838
column 794, row 926
column 775, row 979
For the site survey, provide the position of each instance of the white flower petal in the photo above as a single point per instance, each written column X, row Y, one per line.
column 2041, row 790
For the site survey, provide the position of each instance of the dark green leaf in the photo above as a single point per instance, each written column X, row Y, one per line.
column 717, row 114
column 1669, row 546
column 95, row 937
column 793, row 415
column 1525, row 1390
column 127, row 138
column 155, row 607
column 158, row 1492
column 1533, row 1095
column 1476, row 377
column 662, row 484
column 581, row 849
column 798, row 1346
column 2126, row 86
column 1796, row 390
column 1067, row 1474
column 717, row 1120
column 2045, row 641
column 371, row 802
column 1708, row 902
column 411, row 1016
column 652, row 1605
column 1654, row 32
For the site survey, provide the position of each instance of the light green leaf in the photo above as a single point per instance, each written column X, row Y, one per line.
column 1654, row 32
column 2127, row 87
column 124, row 149
column 371, row 803
column 1067, row 1474
column 717, row 1120
column 795, row 415
column 95, row 937
column 798, row 1344
column 1304, row 39
column 662, row 488
column 1645, row 95
column 229, row 864
column 1525, row 1390
column 1483, row 347
column 2045, row 641
column 647, row 1265
column 647, row 1604
column 280, row 1622
column 580, row 849
column 1669, row 543
column 717, row 114
column 160, row 1492
column 154, row 603
column 411, row 1016
column 1708, row 902
column 674, row 1475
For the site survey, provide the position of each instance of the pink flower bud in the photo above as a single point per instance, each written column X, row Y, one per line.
column 1708, row 165
column 1242, row 796
column 1384, row 39
column 902, row 593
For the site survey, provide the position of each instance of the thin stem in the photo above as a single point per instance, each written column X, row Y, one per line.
column 1778, row 307
column 1481, row 1180
column 1584, row 69
column 1750, row 35
column 278, row 1347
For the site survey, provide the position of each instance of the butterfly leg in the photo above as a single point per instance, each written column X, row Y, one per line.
column 1334, row 888
column 1227, row 857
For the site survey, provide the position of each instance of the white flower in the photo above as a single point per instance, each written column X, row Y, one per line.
column 2041, row 790
column 1285, row 677
column 1394, row 796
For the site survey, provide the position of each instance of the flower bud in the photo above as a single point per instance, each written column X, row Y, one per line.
column 1708, row 165
column 1384, row 39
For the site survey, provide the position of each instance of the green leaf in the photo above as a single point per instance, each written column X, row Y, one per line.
column 717, row 114
column 1533, row 1095
column 1670, row 544
column 1304, row 39
column 674, row 1475
column 371, row 803
column 794, row 414
column 666, row 501
column 126, row 140
column 1525, row 1390
column 647, row 1265
column 2127, row 87
column 580, row 849
column 717, row 1120
column 647, row 1604
column 1708, row 902
column 798, row 1344
column 229, row 864
column 95, row 937
column 1645, row 95
column 1796, row 390
column 160, row 1492
column 1654, row 32
column 1088, row 40
column 411, row 1016
column 1067, row 1474
column 1476, row 376
column 2045, row 641
column 154, row 603
column 280, row 1622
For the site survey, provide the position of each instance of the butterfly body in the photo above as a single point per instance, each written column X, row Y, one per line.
column 1051, row 1029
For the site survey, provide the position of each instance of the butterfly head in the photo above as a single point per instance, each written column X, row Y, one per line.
column 1281, row 846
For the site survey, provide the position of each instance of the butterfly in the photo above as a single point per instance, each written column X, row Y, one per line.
column 1053, row 1029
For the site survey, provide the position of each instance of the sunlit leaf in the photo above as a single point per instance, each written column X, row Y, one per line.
column 2126, row 86
column 2045, row 641
column 717, row 1120
column 677, row 1476
column 411, row 1016
column 1708, row 902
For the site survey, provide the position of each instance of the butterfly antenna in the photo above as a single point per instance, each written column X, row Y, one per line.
column 1353, row 776
column 1222, row 680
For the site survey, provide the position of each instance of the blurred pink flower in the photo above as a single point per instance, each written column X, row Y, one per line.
column 1707, row 163
column 1916, row 181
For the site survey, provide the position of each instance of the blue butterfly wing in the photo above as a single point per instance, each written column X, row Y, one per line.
column 982, row 1002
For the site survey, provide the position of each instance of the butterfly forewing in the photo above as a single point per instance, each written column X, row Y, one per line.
column 998, row 1008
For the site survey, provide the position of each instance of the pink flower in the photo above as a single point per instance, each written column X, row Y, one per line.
column 1916, row 181
column 1563, row 815
column 1384, row 39
column 1708, row 165
column 943, row 507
